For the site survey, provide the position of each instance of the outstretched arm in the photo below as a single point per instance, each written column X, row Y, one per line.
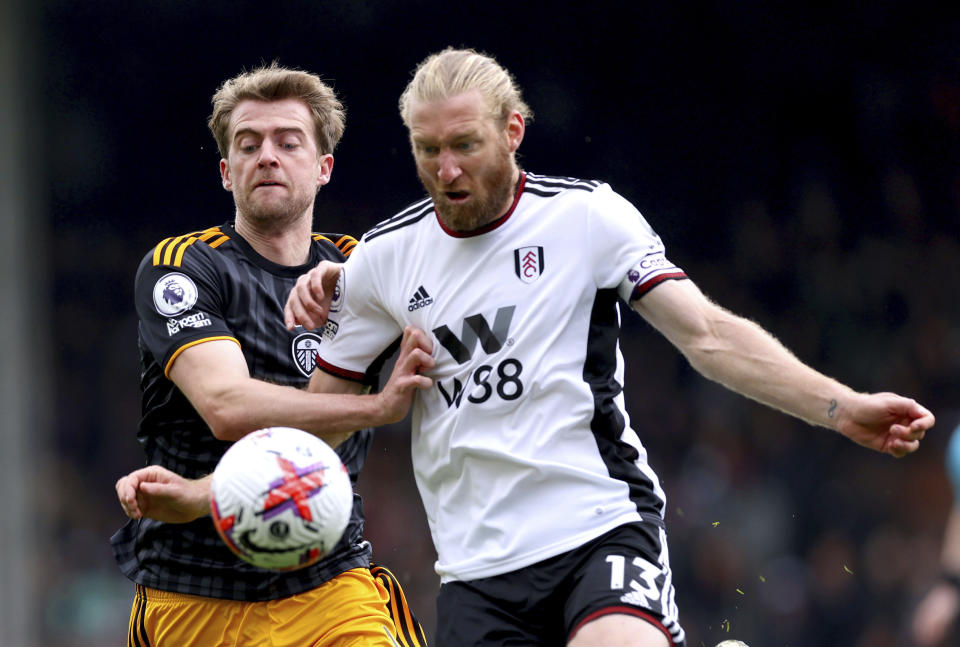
column 214, row 377
column 745, row 358
column 157, row 493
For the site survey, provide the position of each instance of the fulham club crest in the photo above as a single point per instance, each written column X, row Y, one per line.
column 528, row 263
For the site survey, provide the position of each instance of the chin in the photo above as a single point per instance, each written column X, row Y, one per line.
column 457, row 220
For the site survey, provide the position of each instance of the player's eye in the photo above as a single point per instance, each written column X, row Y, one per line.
column 247, row 145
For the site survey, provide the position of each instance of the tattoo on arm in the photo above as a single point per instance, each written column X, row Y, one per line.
column 833, row 409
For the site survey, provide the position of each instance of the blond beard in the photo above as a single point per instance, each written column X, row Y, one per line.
column 499, row 185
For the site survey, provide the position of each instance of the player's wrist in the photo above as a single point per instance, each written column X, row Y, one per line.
column 384, row 409
column 840, row 411
column 199, row 505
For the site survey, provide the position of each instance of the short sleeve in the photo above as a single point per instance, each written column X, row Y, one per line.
column 626, row 252
column 179, row 305
column 360, row 327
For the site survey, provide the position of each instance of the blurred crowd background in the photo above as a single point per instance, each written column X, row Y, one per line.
column 801, row 162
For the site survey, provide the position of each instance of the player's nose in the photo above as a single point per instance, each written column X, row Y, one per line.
column 449, row 168
column 268, row 154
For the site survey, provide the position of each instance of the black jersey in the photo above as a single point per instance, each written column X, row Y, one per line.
column 199, row 287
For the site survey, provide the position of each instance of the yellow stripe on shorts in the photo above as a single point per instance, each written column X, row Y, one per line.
column 137, row 633
column 409, row 631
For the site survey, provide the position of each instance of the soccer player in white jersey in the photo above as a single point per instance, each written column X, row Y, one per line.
column 546, row 517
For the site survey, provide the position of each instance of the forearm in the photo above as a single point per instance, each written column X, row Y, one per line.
column 198, row 501
column 742, row 356
column 215, row 378
column 237, row 411
column 745, row 358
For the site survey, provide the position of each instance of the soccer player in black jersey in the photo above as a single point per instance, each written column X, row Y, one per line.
column 218, row 362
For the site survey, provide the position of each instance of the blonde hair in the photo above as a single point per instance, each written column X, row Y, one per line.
column 454, row 71
column 275, row 83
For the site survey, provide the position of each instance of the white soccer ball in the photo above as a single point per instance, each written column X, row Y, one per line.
column 280, row 498
column 731, row 643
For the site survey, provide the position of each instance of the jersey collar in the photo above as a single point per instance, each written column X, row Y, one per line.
column 266, row 264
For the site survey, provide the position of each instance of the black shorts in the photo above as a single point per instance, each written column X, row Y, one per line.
column 626, row 570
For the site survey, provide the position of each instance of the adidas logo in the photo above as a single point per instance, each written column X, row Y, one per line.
column 420, row 299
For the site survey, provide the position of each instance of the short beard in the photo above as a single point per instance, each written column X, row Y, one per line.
column 499, row 184
column 273, row 220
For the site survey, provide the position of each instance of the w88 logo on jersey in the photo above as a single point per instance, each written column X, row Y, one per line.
column 485, row 382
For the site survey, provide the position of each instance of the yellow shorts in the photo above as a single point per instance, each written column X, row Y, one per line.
column 358, row 607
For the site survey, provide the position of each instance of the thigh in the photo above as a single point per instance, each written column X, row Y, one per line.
column 622, row 630
column 162, row 618
column 501, row 611
column 625, row 572
column 352, row 609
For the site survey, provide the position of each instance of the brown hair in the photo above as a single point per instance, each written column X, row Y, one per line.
column 274, row 83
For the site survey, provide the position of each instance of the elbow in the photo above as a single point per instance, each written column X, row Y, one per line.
column 225, row 423
column 699, row 363
column 705, row 359
column 710, row 346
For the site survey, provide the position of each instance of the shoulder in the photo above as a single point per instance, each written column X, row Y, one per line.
column 404, row 221
column 174, row 251
column 335, row 246
column 171, row 274
column 572, row 196
column 579, row 201
column 548, row 186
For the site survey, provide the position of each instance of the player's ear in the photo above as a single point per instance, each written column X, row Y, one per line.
column 515, row 129
column 225, row 175
column 324, row 169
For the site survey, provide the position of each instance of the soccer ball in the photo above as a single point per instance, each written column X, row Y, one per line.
column 280, row 498
column 731, row 643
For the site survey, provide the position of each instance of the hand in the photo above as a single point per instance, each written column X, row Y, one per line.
column 885, row 422
column 157, row 493
column 309, row 301
column 397, row 395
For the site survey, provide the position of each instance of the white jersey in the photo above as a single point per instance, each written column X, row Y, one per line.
column 522, row 449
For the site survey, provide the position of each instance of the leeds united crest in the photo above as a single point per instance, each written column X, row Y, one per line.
column 305, row 347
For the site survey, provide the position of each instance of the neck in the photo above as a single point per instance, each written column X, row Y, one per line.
column 509, row 198
column 287, row 244
column 514, row 181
